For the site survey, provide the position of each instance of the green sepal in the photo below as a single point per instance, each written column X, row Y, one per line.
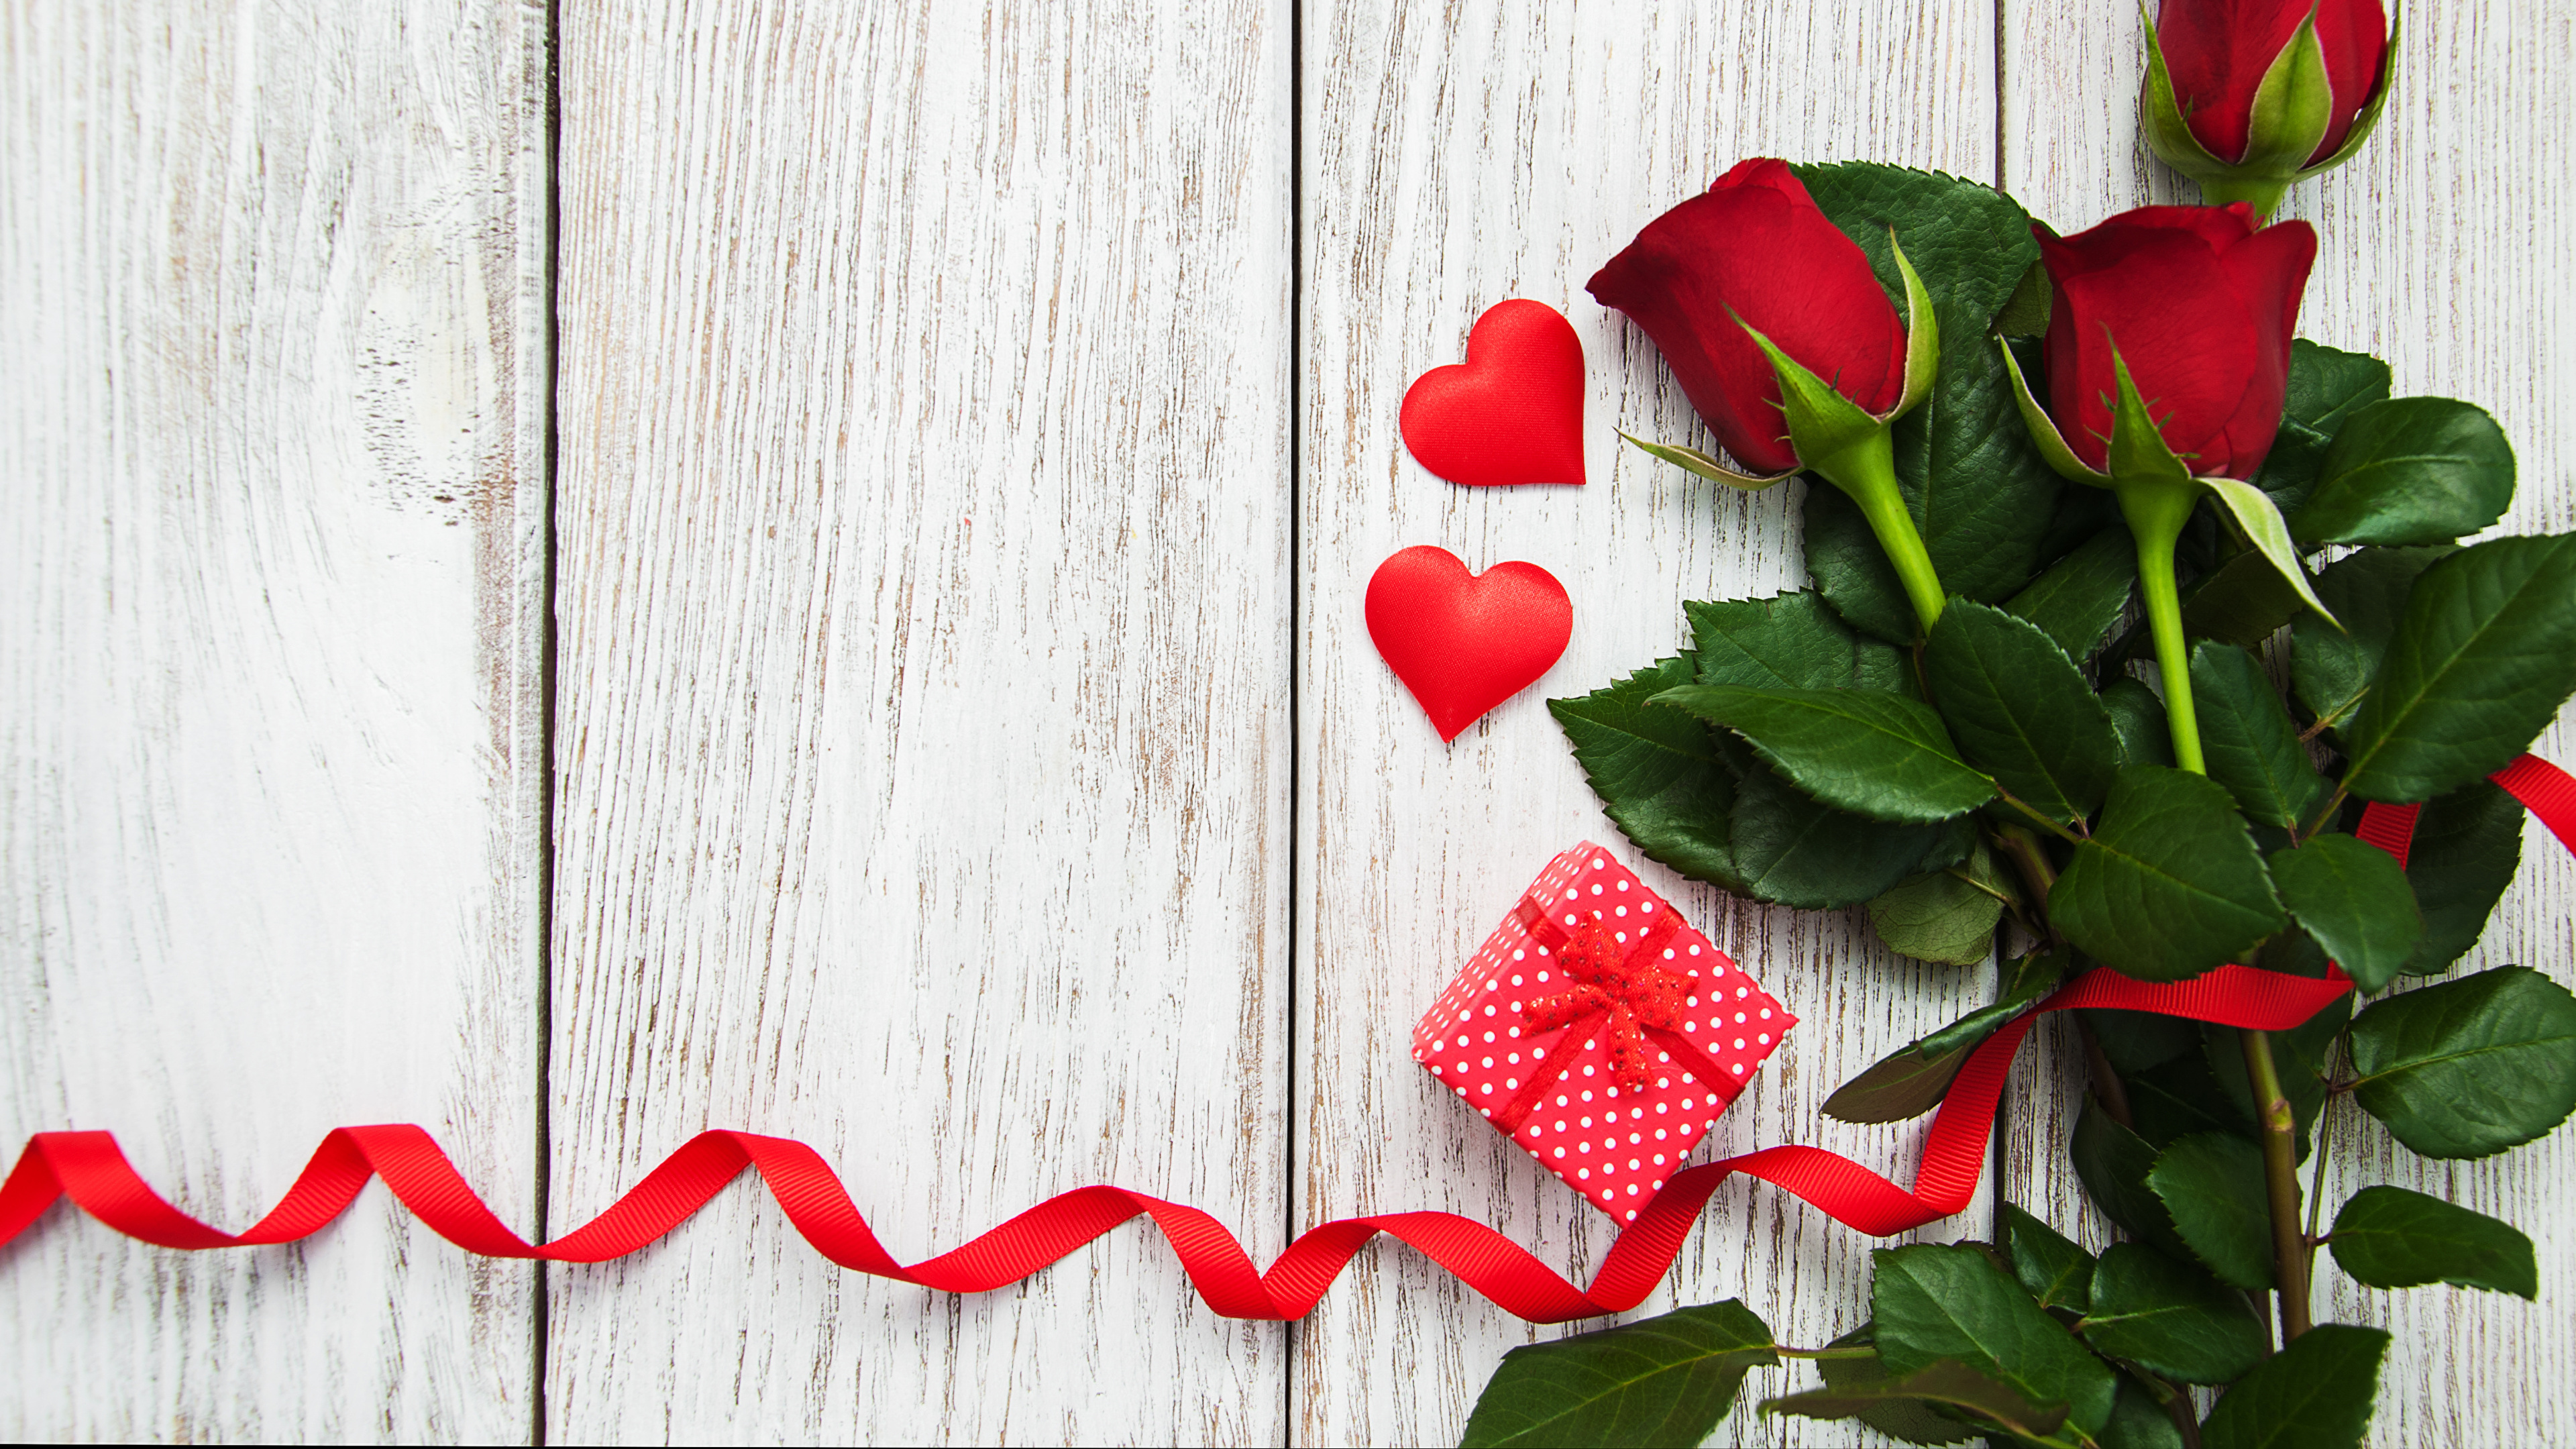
column 1694, row 461
column 2043, row 429
column 2138, row 451
column 1823, row 424
column 1922, row 336
column 2293, row 107
column 2368, row 120
column 2160, row 115
column 2259, row 518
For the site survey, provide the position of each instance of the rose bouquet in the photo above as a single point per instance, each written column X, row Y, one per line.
column 2127, row 605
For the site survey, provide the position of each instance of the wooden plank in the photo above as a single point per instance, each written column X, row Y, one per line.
column 2449, row 248
column 272, row 408
column 1452, row 159
column 924, row 580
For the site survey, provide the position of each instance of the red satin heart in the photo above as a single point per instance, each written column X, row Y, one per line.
column 1464, row 642
column 1513, row 412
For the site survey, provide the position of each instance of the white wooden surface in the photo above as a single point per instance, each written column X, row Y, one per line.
column 932, row 583
column 272, row 412
column 2449, row 248
column 925, row 744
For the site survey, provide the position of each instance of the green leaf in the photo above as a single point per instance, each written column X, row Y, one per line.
column 2328, row 385
column 1850, row 569
column 2248, row 741
column 2020, row 710
column 1662, row 1380
column 2113, row 1163
column 2138, row 719
column 1912, row 1420
column 2410, row 470
column 2332, row 668
column 2292, row 466
column 2316, row 1393
column 1910, row 1081
column 2170, row 1318
column 2077, row 600
column 2211, row 1185
column 2242, row 601
column 1979, row 496
column 2470, row 1067
column 1945, row 916
column 2138, row 1421
column 1874, row 754
column 2176, row 1099
column 2353, row 898
column 2481, row 660
column 2056, row 1272
column 2468, row 844
column 2137, row 1040
column 2389, row 1237
column 1793, row 850
column 1971, row 243
column 1898, row 1416
column 1792, row 640
column 1658, row 772
column 2018, row 982
column 2025, row 313
column 1907, row 1083
column 1949, row 1383
column 1932, row 1301
column 2170, row 885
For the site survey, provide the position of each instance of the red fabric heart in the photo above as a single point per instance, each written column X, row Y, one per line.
column 1464, row 642
column 1513, row 412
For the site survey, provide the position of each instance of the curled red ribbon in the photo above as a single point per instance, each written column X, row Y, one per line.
column 89, row 1168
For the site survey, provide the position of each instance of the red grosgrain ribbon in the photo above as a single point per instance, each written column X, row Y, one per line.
column 89, row 1168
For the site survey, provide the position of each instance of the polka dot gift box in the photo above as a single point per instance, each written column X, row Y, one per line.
column 1600, row 1031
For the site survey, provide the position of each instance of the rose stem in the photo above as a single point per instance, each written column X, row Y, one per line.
column 2263, row 196
column 1866, row 471
column 2281, row 1183
column 2156, row 513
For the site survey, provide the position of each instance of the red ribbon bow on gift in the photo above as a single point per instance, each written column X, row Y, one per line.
column 1619, row 991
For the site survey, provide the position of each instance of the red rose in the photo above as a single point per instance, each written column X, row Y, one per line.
column 2218, row 51
column 1754, row 251
column 2201, row 307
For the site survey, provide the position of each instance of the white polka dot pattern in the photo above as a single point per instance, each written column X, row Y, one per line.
column 1473, row 1041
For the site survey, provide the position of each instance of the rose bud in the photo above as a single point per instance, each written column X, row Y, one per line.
column 2168, row 356
column 2247, row 96
column 1756, row 298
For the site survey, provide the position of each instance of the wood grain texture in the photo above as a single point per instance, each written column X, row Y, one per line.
column 1453, row 158
column 2449, row 248
column 272, row 400
column 924, row 723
